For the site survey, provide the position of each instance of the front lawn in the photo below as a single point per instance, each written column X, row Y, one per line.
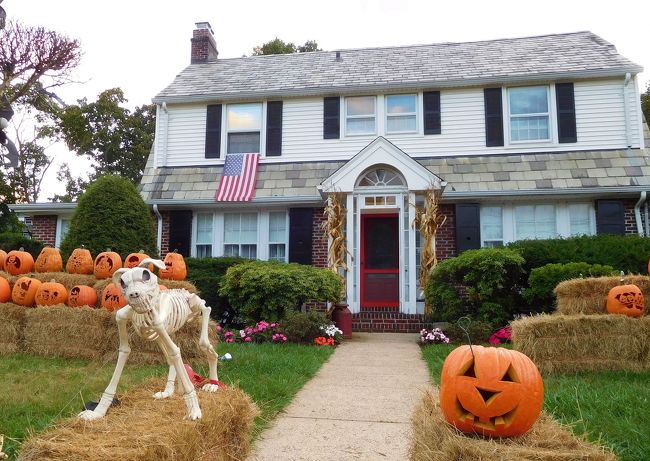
column 610, row 407
column 35, row 391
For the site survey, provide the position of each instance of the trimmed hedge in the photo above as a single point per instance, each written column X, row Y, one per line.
column 265, row 290
column 13, row 241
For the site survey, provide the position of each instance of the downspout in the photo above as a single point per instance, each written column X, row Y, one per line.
column 159, row 236
column 637, row 213
column 628, row 77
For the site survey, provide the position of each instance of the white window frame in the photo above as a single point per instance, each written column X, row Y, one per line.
column 196, row 242
column 374, row 115
column 555, row 212
column 284, row 242
column 493, row 242
column 552, row 123
column 257, row 234
column 416, row 114
column 225, row 129
column 58, row 237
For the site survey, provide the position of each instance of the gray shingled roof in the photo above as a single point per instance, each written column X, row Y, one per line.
column 574, row 55
column 568, row 173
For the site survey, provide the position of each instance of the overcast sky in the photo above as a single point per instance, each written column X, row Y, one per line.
column 140, row 45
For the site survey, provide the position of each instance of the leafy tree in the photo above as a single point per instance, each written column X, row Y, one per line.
column 277, row 46
column 111, row 214
column 645, row 104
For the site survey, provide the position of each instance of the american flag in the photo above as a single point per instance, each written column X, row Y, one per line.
column 239, row 176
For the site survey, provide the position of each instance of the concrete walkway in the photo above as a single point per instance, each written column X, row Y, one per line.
column 357, row 407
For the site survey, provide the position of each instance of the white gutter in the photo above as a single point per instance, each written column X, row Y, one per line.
column 628, row 139
column 160, row 226
column 637, row 213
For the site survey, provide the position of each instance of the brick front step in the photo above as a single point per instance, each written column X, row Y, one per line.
column 388, row 321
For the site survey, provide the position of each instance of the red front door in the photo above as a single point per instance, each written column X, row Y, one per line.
column 379, row 260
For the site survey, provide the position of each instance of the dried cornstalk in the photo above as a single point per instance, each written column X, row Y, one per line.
column 334, row 228
column 428, row 220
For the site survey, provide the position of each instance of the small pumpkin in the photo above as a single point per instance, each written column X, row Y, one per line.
column 24, row 291
column 112, row 298
column 19, row 262
column 134, row 259
column 627, row 300
column 5, row 290
column 106, row 263
column 491, row 391
column 51, row 293
column 49, row 260
column 82, row 295
column 175, row 268
column 3, row 256
column 80, row 262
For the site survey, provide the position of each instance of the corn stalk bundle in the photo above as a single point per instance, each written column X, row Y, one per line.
column 428, row 220
column 334, row 228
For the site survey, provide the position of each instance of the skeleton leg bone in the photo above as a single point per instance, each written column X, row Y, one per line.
column 171, row 381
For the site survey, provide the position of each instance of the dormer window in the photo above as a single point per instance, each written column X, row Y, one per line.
column 244, row 125
column 529, row 113
column 360, row 115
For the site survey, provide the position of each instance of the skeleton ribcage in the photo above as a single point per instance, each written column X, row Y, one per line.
column 179, row 314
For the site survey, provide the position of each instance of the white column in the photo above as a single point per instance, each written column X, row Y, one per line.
column 352, row 262
column 413, row 275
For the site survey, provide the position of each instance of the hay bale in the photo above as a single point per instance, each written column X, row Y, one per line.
column 589, row 296
column 583, row 342
column 433, row 439
column 68, row 280
column 12, row 319
column 143, row 428
column 171, row 284
column 66, row 331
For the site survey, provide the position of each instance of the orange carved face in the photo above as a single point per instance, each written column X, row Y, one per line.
column 627, row 300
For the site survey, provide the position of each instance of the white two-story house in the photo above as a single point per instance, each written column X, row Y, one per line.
column 535, row 137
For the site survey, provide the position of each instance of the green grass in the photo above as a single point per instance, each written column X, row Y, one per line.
column 36, row 391
column 610, row 408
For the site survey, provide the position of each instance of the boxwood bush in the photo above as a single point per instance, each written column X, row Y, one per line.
column 13, row 241
column 265, row 290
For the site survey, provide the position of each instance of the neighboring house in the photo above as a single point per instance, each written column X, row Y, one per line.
column 535, row 137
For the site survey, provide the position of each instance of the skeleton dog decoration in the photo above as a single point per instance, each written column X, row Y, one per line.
column 154, row 315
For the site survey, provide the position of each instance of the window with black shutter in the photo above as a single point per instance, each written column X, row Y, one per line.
column 493, row 117
column 468, row 227
column 213, row 131
column 610, row 217
column 331, row 118
column 431, row 112
column 180, row 231
column 566, row 113
column 300, row 235
column 273, row 128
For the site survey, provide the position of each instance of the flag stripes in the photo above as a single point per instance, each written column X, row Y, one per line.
column 239, row 176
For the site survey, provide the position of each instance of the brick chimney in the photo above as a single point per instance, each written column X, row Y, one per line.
column 204, row 47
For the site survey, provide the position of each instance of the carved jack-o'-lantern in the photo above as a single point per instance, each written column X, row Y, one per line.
column 24, row 291
column 80, row 262
column 3, row 256
column 106, row 263
column 134, row 260
column 19, row 262
column 627, row 300
column 49, row 260
column 51, row 293
column 494, row 391
column 112, row 298
column 175, row 268
column 82, row 295
column 5, row 290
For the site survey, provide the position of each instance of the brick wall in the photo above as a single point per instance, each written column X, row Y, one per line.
column 164, row 240
column 44, row 229
column 630, row 219
column 446, row 236
column 319, row 241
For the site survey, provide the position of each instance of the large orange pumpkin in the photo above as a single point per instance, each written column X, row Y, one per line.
column 49, row 260
column 51, row 293
column 627, row 300
column 134, row 259
column 3, row 256
column 80, row 262
column 494, row 391
column 19, row 262
column 82, row 295
column 24, row 291
column 175, row 268
column 112, row 298
column 5, row 290
column 106, row 263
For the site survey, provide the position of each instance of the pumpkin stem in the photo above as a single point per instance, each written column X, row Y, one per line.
column 464, row 323
column 622, row 277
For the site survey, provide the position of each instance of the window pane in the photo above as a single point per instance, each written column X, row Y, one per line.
column 277, row 252
column 248, row 251
column 231, row 250
column 231, row 228
column 529, row 128
column 248, row 228
column 401, row 123
column 400, row 104
column 580, row 219
column 364, row 125
column 203, row 251
column 65, row 227
column 245, row 117
column 243, row 143
column 204, row 228
column 491, row 224
column 535, row 222
column 364, row 105
column 277, row 227
column 529, row 100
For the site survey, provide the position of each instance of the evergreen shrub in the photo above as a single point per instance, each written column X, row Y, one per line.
column 14, row 241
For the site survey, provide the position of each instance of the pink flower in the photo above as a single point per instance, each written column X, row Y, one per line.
column 229, row 334
column 242, row 333
column 248, row 339
column 274, row 325
column 230, row 340
column 219, row 328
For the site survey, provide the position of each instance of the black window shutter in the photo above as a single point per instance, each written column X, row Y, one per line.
column 468, row 227
column 493, row 117
column 331, row 118
column 273, row 128
column 431, row 112
column 566, row 112
column 180, row 232
column 213, row 131
column 300, row 235
column 610, row 217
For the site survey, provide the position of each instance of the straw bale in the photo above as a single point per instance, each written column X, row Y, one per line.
column 12, row 317
column 143, row 428
column 433, row 439
column 583, row 342
column 66, row 331
column 589, row 295
column 171, row 284
column 68, row 280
